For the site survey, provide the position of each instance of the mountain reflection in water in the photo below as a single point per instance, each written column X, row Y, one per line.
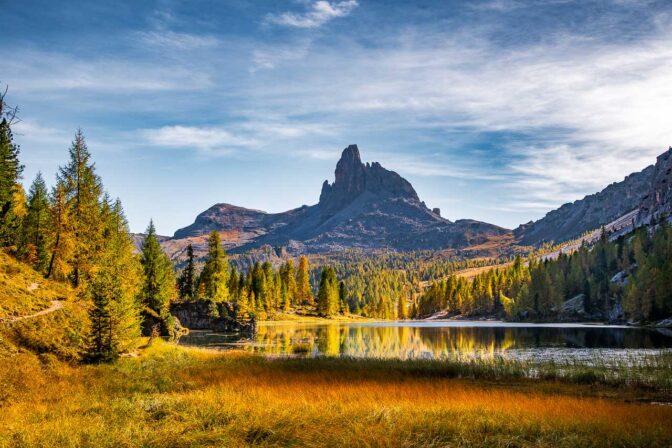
column 437, row 340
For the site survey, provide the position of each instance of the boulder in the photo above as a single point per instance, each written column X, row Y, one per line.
column 209, row 315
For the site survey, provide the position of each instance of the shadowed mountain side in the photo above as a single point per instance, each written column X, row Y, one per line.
column 648, row 191
column 367, row 206
column 593, row 211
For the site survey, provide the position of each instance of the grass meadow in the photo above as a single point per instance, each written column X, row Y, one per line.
column 169, row 396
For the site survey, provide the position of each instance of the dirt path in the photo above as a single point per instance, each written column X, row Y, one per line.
column 55, row 306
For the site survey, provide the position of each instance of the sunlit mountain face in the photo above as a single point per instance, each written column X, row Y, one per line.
column 496, row 110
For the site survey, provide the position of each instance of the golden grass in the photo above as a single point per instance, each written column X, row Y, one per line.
column 309, row 316
column 171, row 396
column 24, row 291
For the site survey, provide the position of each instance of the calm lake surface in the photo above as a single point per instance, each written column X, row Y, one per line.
column 442, row 340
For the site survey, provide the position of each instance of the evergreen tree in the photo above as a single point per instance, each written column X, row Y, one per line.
column 214, row 276
column 36, row 225
column 327, row 296
column 115, row 317
column 158, row 287
column 11, row 204
column 402, row 308
column 187, row 279
column 342, row 298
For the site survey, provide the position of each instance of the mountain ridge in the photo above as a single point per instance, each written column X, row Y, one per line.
column 367, row 206
column 648, row 192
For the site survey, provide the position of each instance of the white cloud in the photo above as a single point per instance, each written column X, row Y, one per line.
column 251, row 135
column 201, row 138
column 38, row 71
column 593, row 111
column 320, row 12
column 170, row 40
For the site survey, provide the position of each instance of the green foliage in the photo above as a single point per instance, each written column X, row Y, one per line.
column 643, row 261
column 115, row 314
column 186, row 282
column 158, row 287
column 328, row 303
column 83, row 189
column 648, row 296
column 480, row 296
column 12, row 199
column 215, row 274
column 77, row 235
column 36, row 225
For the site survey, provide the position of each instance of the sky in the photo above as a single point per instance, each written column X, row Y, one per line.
column 496, row 110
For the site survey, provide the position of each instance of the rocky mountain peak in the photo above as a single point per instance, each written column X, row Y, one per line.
column 350, row 165
column 353, row 178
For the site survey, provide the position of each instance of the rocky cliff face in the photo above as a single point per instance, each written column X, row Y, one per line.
column 367, row 206
column 648, row 191
column 573, row 219
column 657, row 203
column 353, row 178
column 225, row 217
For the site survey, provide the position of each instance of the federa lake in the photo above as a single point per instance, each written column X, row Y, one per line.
column 443, row 340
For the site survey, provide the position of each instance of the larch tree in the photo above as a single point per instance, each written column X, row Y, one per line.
column 83, row 190
column 61, row 238
column 158, row 284
column 288, row 277
column 304, row 294
column 215, row 274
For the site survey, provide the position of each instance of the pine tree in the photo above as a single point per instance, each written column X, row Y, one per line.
column 402, row 308
column 10, row 175
column 304, row 294
column 83, row 190
column 36, row 225
column 327, row 296
column 214, row 276
column 158, row 287
column 342, row 298
column 187, row 279
column 115, row 317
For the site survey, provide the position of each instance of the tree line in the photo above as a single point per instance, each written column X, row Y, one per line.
column 77, row 233
column 629, row 277
column 261, row 291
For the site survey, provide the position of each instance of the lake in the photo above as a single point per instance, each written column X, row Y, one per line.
column 442, row 340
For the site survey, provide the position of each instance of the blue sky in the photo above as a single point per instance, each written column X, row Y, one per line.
column 497, row 110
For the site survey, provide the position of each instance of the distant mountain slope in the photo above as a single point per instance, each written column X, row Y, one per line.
column 573, row 219
column 657, row 203
column 648, row 191
column 367, row 206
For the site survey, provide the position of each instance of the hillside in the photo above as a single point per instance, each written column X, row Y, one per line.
column 648, row 191
column 38, row 314
column 589, row 213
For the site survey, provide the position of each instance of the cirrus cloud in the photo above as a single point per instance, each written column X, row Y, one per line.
column 320, row 12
